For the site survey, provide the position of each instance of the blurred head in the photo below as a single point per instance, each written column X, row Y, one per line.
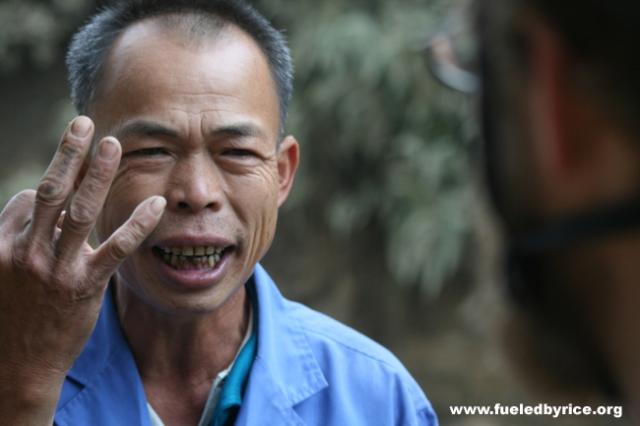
column 589, row 41
column 560, row 97
column 194, row 100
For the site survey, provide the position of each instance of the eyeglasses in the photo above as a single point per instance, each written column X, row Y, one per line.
column 451, row 52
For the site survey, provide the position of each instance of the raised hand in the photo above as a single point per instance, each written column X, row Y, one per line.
column 52, row 281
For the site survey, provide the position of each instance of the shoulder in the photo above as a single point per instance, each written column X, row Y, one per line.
column 339, row 339
column 362, row 371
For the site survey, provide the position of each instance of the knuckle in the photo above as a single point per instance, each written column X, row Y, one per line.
column 137, row 228
column 98, row 179
column 81, row 214
column 62, row 276
column 20, row 259
column 59, row 277
column 27, row 196
column 102, row 170
column 79, row 294
column 126, row 241
column 30, row 260
column 120, row 247
column 20, row 201
column 50, row 191
column 69, row 153
column 70, row 148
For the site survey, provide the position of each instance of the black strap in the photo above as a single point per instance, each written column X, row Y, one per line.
column 603, row 222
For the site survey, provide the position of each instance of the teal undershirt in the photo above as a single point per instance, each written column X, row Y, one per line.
column 230, row 400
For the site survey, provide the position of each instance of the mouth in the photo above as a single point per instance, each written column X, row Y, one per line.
column 192, row 258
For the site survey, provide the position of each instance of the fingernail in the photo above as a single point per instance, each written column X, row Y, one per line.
column 157, row 205
column 108, row 149
column 81, row 127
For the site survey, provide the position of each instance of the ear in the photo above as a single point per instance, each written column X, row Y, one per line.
column 288, row 159
column 580, row 152
column 550, row 103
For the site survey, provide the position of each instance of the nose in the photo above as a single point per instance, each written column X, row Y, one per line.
column 196, row 184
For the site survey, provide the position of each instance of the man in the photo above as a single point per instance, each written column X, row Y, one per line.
column 187, row 101
column 560, row 100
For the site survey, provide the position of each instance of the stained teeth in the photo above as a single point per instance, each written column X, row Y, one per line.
column 179, row 261
column 193, row 251
column 199, row 256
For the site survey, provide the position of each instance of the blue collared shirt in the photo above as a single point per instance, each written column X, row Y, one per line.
column 308, row 370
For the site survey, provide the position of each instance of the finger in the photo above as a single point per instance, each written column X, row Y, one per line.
column 126, row 239
column 17, row 213
column 57, row 182
column 88, row 200
column 61, row 219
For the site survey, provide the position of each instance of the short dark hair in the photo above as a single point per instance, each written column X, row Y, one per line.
column 90, row 45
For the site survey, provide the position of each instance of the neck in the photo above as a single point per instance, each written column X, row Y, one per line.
column 191, row 349
column 611, row 295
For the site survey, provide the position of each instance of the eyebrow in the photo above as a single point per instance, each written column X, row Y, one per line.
column 153, row 128
column 238, row 130
column 145, row 128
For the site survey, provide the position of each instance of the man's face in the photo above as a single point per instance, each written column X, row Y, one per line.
column 198, row 123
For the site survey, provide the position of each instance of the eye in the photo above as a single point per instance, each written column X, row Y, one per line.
column 149, row 152
column 238, row 152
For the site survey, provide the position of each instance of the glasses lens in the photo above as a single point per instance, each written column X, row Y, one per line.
column 451, row 53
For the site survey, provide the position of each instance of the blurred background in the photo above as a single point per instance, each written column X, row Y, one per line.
column 386, row 229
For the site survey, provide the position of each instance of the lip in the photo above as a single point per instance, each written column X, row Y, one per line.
column 195, row 279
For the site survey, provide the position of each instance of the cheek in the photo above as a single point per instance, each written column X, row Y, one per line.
column 256, row 198
column 265, row 218
column 124, row 196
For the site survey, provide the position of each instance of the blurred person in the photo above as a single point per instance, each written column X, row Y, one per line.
column 560, row 97
column 181, row 169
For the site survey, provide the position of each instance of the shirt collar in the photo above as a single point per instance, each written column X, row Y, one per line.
column 285, row 367
column 233, row 388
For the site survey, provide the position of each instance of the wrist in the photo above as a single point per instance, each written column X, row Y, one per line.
column 28, row 397
column 28, row 385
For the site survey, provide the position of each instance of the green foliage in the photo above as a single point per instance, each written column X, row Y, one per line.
column 32, row 30
column 26, row 177
column 384, row 147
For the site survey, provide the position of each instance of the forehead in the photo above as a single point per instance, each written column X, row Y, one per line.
column 156, row 66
